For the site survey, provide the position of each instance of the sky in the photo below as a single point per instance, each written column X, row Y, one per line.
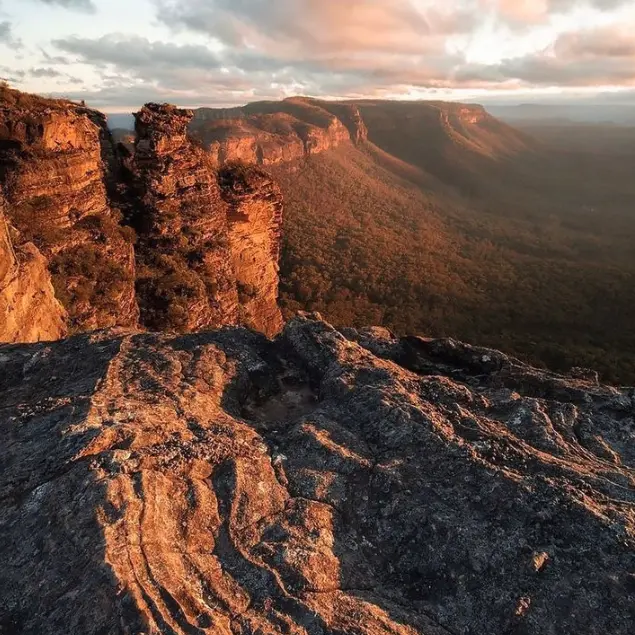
column 119, row 54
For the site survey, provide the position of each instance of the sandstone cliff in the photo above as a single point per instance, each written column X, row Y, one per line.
column 76, row 196
column 255, row 224
column 53, row 171
column 29, row 311
column 269, row 133
column 325, row 483
column 208, row 251
column 186, row 279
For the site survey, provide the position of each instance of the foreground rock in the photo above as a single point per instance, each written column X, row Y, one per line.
column 321, row 483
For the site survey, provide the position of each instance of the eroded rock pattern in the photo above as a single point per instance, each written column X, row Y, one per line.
column 53, row 174
column 323, row 483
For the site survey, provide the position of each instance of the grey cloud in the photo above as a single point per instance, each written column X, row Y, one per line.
column 6, row 35
column 133, row 52
column 79, row 5
column 55, row 59
column 45, row 72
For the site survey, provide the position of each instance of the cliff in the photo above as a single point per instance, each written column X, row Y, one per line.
column 255, row 225
column 29, row 311
column 326, row 483
column 207, row 255
column 269, row 133
column 54, row 175
column 86, row 201
column 186, row 279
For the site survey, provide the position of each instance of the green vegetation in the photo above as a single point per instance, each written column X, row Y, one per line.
column 536, row 260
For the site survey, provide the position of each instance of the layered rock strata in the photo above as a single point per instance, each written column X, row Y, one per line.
column 29, row 311
column 324, row 483
column 186, row 279
column 54, row 177
column 77, row 198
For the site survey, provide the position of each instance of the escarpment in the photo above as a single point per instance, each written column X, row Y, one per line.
column 323, row 483
column 54, row 178
column 270, row 133
column 209, row 243
column 137, row 234
column 255, row 225
column 186, row 279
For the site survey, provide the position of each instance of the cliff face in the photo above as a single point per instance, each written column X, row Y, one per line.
column 269, row 133
column 323, row 483
column 53, row 173
column 207, row 255
column 186, row 279
column 29, row 311
column 255, row 224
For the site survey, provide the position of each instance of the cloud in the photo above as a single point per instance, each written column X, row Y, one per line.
column 297, row 29
column 241, row 50
column 45, row 72
column 602, row 56
column 7, row 37
column 86, row 6
column 134, row 53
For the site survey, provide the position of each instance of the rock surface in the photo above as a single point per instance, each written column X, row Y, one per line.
column 53, row 171
column 29, row 311
column 255, row 225
column 186, row 278
column 323, row 483
column 79, row 197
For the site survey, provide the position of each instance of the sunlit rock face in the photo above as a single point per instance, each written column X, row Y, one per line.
column 254, row 217
column 186, row 277
column 53, row 172
column 326, row 482
column 135, row 234
column 209, row 243
column 29, row 311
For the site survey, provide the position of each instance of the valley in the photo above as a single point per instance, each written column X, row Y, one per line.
column 442, row 220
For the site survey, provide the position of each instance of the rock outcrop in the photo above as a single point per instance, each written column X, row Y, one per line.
column 54, row 175
column 186, row 279
column 209, row 243
column 269, row 133
column 29, row 311
column 323, row 483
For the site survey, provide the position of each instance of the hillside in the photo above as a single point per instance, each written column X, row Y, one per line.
column 442, row 220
